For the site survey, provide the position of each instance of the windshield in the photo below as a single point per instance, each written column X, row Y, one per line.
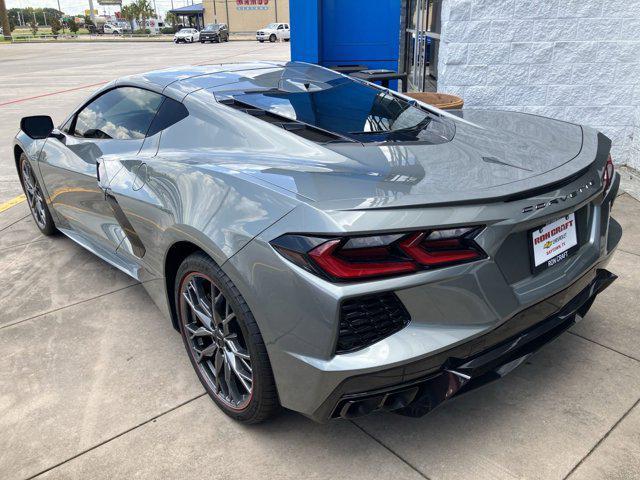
column 211, row 27
column 186, row 30
column 351, row 109
column 272, row 26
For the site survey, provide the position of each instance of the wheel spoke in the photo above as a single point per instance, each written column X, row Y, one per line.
column 206, row 352
column 194, row 303
column 235, row 349
column 197, row 331
column 216, row 341
column 244, row 378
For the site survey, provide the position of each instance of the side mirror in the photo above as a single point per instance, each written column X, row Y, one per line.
column 37, row 127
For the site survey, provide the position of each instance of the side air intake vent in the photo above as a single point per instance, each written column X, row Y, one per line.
column 366, row 320
column 302, row 129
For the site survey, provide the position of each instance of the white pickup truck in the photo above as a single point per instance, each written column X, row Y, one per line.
column 273, row 32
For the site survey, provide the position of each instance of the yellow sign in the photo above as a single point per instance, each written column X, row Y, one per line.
column 87, row 12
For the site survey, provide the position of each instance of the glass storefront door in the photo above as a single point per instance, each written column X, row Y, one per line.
column 422, row 40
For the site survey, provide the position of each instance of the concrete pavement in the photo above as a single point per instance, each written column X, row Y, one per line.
column 94, row 383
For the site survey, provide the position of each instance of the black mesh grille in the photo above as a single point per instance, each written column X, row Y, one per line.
column 366, row 320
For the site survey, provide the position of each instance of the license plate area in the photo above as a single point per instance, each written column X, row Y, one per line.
column 553, row 242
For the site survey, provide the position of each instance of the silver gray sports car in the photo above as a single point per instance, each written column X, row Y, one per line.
column 324, row 244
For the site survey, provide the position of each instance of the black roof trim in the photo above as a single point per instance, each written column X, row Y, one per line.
column 305, row 130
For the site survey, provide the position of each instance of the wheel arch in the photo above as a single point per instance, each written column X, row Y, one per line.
column 17, row 151
column 176, row 254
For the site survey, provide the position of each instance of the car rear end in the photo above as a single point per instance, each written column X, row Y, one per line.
column 430, row 252
column 400, row 308
column 210, row 36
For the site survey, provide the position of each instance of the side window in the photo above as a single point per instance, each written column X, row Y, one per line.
column 170, row 112
column 280, row 27
column 123, row 113
column 286, row 26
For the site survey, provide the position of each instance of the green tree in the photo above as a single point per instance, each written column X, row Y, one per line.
column 56, row 26
column 72, row 25
column 172, row 19
column 128, row 12
column 88, row 22
column 143, row 11
column 52, row 13
column 14, row 15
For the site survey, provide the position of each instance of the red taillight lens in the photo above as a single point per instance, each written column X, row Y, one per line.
column 353, row 258
column 349, row 264
column 438, row 252
column 607, row 174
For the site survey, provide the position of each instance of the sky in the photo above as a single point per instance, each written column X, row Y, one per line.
column 73, row 7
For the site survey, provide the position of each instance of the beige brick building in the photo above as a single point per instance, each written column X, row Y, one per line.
column 245, row 15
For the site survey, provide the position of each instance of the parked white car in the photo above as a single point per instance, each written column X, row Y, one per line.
column 188, row 35
column 112, row 29
column 273, row 32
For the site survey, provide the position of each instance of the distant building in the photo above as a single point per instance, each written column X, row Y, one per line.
column 245, row 15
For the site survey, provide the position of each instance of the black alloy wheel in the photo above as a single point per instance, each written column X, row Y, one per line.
column 223, row 341
column 272, row 38
column 35, row 198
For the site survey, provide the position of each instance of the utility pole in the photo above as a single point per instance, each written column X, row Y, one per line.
column 61, row 21
column 4, row 18
column 92, row 15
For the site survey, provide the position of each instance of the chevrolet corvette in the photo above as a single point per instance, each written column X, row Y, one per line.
column 324, row 244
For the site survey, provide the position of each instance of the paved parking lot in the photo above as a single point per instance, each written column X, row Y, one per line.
column 94, row 383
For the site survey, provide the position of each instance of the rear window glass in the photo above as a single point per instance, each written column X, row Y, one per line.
column 169, row 113
column 351, row 109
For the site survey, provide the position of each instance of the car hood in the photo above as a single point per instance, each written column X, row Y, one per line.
column 492, row 154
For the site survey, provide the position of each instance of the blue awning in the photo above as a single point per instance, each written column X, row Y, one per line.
column 189, row 10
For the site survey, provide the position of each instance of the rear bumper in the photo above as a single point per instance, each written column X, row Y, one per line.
column 458, row 374
column 456, row 312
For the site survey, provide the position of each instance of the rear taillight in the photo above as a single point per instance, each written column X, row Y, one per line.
column 372, row 256
column 432, row 250
column 607, row 174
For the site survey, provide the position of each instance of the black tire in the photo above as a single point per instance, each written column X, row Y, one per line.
column 202, row 41
column 287, row 39
column 272, row 38
column 262, row 402
column 38, row 207
column 261, row 41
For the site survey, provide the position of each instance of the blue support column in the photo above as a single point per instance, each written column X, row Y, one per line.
column 346, row 32
column 305, row 24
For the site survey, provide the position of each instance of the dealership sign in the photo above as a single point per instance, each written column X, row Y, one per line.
column 252, row 4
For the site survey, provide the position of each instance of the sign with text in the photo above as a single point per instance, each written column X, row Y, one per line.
column 252, row 4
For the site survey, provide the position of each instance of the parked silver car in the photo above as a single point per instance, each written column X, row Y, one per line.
column 324, row 244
